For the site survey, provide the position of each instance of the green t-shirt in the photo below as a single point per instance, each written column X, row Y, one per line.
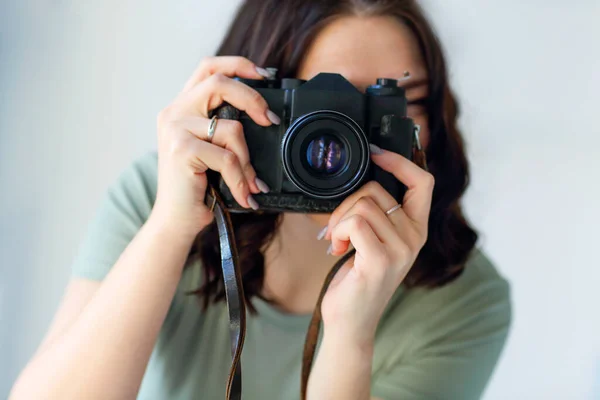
column 430, row 344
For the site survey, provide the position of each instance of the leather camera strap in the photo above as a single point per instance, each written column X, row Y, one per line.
column 234, row 293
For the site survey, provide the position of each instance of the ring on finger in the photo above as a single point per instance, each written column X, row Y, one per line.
column 391, row 210
column 211, row 128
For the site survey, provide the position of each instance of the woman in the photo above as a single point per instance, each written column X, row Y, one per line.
column 418, row 313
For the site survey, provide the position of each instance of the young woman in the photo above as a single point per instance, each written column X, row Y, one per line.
column 418, row 313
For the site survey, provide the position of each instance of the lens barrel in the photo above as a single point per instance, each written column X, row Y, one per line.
column 325, row 154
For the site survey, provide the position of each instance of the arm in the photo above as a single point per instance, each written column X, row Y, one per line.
column 387, row 239
column 104, row 334
column 343, row 367
column 453, row 351
column 104, row 352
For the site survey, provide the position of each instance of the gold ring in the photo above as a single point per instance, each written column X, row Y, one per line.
column 211, row 128
column 391, row 210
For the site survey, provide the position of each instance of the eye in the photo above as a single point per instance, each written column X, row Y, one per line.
column 418, row 102
column 417, row 107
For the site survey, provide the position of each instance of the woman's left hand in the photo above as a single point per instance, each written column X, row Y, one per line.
column 386, row 247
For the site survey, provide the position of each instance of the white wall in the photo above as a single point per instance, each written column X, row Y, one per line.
column 81, row 83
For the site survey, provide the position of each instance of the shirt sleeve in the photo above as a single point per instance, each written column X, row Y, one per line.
column 456, row 349
column 122, row 212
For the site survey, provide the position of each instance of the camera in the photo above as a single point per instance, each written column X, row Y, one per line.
column 319, row 154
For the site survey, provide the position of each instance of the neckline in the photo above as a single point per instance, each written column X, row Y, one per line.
column 274, row 316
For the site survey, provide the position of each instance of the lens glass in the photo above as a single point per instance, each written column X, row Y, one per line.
column 326, row 155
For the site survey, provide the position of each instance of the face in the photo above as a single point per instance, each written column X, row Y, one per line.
column 388, row 50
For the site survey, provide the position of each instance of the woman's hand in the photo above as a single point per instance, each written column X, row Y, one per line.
column 386, row 247
column 185, row 152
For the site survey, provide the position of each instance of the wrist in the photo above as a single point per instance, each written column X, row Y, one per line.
column 359, row 337
column 170, row 230
column 360, row 342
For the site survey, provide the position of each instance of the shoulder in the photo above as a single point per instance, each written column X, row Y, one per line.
column 140, row 178
column 123, row 210
column 444, row 342
column 134, row 191
column 476, row 304
column 479, row 280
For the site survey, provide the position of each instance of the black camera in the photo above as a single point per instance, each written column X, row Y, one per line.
column 319, row 154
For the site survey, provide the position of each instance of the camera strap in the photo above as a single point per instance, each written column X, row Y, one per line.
column 234, row 292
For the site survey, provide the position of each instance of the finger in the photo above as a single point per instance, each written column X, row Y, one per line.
column 226, row 65
column 417, row 200
column 200, row 153
column 381, row 225
column 357, row 230
column 372, row 189
column 229, row 134
column 213, row 91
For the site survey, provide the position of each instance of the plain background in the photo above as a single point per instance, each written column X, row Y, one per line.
column 81, row 84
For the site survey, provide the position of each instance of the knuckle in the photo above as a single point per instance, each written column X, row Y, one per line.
column 358, row 223
column 373, row 187
column 229, row 159
column 430, row 180
column 240, row 183
column 216, row 79
column 205, row 63
column 257, row 98
column 164, row 115
column 178, row 146
column 364, row 205
column 237, row 131
column 242, row 61
column 248, row 169
column 169, row 126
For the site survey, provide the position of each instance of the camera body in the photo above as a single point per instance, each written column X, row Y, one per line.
column 319, row 154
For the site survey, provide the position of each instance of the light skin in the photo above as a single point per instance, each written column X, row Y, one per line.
column 88, row 334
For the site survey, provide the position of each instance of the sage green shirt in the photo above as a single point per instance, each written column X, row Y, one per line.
column 430, row 344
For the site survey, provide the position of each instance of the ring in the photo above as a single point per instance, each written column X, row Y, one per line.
column 211, row 128
column 391, row 210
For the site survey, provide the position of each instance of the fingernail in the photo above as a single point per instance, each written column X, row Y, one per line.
column 322, row 233
column 253, row 204
column 262, row 186
column 330, row 249
column 273, row 117
column 263, row 72
column 375, row 149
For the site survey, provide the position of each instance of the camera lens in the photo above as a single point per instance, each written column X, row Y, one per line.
column 326, row 155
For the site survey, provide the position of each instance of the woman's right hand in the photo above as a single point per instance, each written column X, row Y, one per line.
column 185, row 153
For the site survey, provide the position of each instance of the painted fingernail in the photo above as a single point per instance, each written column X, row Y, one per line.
column 253, row 204
column 273, row 117
column 262, row 186
column 330, row 250
column 263, row 72
column 375, row 149
column 322, row 233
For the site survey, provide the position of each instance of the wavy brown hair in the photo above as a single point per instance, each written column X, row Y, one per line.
column 277, row 33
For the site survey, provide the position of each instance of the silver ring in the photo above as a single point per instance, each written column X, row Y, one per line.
column 391, row 210
column 211, row 128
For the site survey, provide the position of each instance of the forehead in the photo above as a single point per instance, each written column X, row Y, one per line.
column 363, row 49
